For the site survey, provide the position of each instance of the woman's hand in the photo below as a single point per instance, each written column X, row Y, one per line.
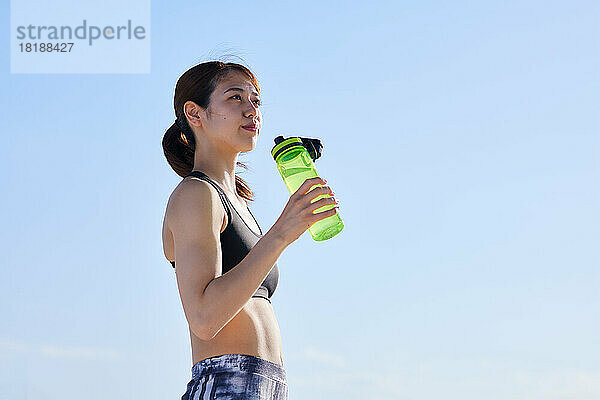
column 298, row 216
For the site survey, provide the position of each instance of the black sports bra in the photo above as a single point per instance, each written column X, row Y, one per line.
column 237, row 239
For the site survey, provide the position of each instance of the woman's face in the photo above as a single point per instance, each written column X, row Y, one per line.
column 233, row 104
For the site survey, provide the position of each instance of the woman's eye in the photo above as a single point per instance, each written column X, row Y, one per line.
column 258, row 102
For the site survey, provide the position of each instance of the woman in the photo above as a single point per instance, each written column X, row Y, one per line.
column 225, row 266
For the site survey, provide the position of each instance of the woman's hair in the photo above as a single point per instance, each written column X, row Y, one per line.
column 197, row 84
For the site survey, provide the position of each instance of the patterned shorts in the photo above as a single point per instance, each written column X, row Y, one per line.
column 237, row 376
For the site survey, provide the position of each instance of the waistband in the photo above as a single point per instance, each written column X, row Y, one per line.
column 238, row 363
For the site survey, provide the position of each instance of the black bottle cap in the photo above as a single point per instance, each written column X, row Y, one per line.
column 312, row 145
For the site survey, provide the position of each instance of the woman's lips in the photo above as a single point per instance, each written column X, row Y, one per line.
column 248, row 128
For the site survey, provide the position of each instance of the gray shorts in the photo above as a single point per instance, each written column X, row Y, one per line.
column 236, row 376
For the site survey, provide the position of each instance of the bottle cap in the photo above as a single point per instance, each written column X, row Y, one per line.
column 312, row 145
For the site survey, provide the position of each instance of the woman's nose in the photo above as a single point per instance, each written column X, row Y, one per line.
column 251, row 112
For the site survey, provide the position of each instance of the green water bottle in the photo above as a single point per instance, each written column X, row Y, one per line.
column 295, row 164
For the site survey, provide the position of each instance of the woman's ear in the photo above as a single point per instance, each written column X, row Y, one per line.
column 194, row 114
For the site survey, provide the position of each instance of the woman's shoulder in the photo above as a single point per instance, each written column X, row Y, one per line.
column 190, row 195
column 191, row 186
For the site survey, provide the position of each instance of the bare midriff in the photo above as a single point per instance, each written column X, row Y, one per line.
column 253, row 331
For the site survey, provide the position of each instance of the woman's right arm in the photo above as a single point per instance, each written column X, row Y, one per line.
column 212, row 299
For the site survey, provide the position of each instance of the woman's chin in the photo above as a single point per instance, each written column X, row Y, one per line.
column 249, row 145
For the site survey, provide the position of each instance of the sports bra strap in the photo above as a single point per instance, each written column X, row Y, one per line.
column 222, row 195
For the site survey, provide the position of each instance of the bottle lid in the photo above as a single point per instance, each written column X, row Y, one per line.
column 282, row 145
column 312, row 145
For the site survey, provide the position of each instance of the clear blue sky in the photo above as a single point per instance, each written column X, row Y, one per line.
column 462, row 139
